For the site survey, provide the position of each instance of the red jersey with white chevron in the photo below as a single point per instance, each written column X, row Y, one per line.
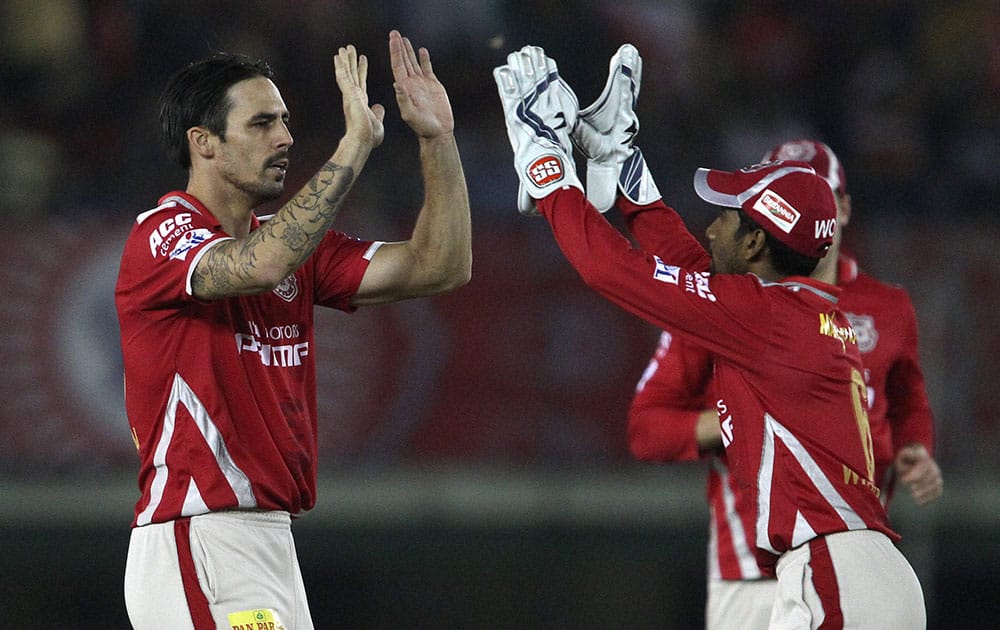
column 676, row 386
column 221, row 395
column 788, row 373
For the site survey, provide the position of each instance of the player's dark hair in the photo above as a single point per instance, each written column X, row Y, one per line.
column 785, row 260
column 197, row 96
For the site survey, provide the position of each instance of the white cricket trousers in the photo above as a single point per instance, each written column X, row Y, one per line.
column 223, row 570
column 739, row 604
column 856, row 580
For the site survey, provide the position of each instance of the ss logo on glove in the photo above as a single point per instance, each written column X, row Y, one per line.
column 545, row 170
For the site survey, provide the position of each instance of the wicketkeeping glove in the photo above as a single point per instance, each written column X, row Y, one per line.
column 540, row 111
column 605, row 134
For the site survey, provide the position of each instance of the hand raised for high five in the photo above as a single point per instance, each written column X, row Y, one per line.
column 362, row 121
column 423, row 101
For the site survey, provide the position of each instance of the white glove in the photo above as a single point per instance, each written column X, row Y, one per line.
column 540, row 111
column 605, row 134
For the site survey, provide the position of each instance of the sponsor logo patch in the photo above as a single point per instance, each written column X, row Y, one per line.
column 545, row 170
column 666, row 273
column 777, row 211
column 698, row 283
column 261, row 619
column 844, row 334
column 188, row 241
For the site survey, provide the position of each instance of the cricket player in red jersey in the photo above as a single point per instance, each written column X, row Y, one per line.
column 672, row 417
column 789, row 382
column 216, row 315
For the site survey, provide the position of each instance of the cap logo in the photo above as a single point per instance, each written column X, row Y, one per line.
column 777, row 210
column 545, row 170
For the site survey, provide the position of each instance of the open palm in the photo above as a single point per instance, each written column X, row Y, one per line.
column 423, row 101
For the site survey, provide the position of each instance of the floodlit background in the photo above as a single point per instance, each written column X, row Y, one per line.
column 474, row 464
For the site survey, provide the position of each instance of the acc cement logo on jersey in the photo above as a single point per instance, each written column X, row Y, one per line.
column 698, row 283
column 287, row 289
column 864, row 328
column 665, row 273
column 188, row 241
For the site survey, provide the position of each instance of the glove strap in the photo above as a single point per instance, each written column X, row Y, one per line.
column 635, row 181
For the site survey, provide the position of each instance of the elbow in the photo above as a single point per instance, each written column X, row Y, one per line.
column 453, row 276
column 596, row 273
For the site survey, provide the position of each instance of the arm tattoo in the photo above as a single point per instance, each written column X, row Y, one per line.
column 231, row 268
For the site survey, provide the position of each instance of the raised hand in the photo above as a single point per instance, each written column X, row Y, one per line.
column 362, row 121
column 423, row 101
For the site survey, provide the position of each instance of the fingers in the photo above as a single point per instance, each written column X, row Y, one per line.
column 425, row 62
column 920, row 473
column 346, row 65
column 363, row 72
column 403, row 58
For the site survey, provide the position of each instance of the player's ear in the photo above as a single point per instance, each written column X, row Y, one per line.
column 200, row 141
column 753, row 244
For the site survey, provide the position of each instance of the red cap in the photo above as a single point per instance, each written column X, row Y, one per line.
column 820, row 157
column 788, row 199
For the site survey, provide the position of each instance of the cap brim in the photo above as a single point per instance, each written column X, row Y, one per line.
column 711, row 193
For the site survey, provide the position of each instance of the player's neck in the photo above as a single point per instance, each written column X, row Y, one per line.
column 231, row 207
column 826, row 270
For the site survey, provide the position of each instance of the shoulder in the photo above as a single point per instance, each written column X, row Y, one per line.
column 172, row 228
column 867, row 286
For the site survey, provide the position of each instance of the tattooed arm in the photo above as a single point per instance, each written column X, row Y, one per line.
column 265, row 257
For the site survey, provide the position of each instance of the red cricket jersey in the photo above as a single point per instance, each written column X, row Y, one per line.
column 676, row 386
column 221, row 395
column 788, row 373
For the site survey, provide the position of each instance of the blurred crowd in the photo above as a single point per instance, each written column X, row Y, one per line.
column 905, row 91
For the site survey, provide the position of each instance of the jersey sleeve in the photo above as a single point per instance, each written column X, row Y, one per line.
column 340, row 262
column 726, row 314
column 160, row 255
column 909, row 410
column 672, row 393
column 659, row 230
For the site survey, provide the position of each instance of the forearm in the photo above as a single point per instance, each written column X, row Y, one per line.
column 441, row 242
column 269, row 254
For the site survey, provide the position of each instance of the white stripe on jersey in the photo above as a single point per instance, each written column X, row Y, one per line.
column 714, row 568
column 194, row 262
column 182, row 394
column 169, row 202
column 774, row 430
column 744, row 554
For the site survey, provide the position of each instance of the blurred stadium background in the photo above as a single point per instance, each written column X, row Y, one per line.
column 475, row 470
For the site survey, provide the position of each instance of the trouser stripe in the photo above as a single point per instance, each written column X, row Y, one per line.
column 201, row 615
column 825, row 582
